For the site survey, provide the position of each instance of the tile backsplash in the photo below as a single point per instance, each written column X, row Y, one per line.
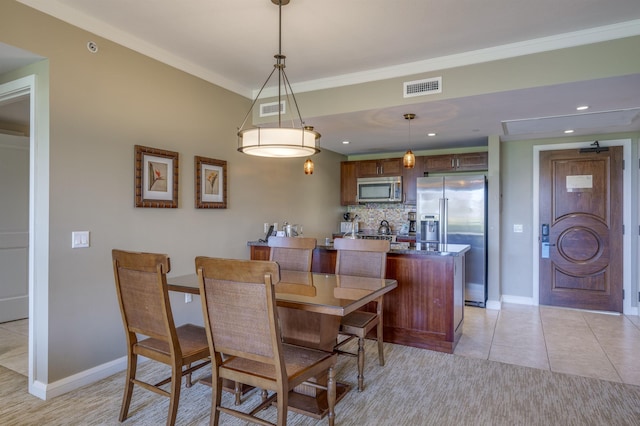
column 370, row 215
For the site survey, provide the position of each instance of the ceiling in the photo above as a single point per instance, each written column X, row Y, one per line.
column 330, row 43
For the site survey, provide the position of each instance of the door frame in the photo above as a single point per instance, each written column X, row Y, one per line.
column 38, row 269
column 626, row 214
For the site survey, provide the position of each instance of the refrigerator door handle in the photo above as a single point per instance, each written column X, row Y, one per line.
column 444, row 219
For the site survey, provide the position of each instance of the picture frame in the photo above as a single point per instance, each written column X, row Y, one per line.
column 210, row 183
column 156, row 177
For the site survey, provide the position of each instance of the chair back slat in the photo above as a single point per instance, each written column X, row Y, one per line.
column 239, row 301
column 292, row 253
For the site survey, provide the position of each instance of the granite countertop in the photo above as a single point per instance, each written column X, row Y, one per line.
column 403, row 248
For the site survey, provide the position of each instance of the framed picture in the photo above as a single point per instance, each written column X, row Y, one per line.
column 210, row 183
column 156, row 178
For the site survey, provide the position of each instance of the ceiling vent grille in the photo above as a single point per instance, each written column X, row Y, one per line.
column 271, row 108
column 428, row 86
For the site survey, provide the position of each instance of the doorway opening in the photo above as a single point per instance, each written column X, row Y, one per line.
column 38, row 229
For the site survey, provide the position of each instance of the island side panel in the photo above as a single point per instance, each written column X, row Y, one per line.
column 423, row 311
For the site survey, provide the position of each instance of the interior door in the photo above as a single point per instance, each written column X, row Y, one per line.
column 581, row 229
column 14, row 227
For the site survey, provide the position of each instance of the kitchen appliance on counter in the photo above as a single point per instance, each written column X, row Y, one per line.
column 384, row 228
column 411, row 216
column 380, row 190
column 453, row 210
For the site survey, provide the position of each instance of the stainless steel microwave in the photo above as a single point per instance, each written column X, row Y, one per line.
column 380, row 189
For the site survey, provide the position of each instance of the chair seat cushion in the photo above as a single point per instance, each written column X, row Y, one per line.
column 358, row 319
column 192, row 338
column 297, row 359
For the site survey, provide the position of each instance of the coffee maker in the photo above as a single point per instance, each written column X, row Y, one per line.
column 412, row 223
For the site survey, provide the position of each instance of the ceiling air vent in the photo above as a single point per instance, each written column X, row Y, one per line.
column 428, row 86
column 271, row 108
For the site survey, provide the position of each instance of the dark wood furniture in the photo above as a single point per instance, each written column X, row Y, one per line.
column 350, row 171
column 241, row 319
column 325, row 298
column 375, row 168
column 365, row 258
column 409, row 177
column 348, row 183
column 472, row 161
column 426, row 309
column 143, row 297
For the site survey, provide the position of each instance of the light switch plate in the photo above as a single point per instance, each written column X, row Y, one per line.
column 518, row 228
column 80, row 239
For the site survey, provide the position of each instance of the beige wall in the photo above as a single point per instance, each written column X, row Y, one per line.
column 103, row 104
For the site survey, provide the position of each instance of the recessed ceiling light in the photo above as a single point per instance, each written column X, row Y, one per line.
column 431, row 134
column 569, row 131
column 345, row 142
column 582, row 107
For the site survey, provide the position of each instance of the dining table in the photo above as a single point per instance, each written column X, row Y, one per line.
column 310, row 307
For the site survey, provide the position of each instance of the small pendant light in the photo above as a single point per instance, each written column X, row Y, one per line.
column 409, row 159
column 308, row 167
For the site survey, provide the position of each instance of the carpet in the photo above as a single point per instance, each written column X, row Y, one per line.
column 415, row 387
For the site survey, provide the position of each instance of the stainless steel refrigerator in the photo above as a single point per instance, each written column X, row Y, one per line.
column 453, row 210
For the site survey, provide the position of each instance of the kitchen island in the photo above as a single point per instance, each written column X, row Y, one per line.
column 426, row 310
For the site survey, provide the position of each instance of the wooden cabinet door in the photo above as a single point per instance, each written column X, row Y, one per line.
column 374, row 168
column 368, row 168
column 348, row 183
column 409, row 177
column 472, row 161
column 260, row 252
column 391, row 167
column 439, row 163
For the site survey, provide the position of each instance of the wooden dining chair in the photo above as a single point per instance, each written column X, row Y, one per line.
column 143, row 296
column 241, row 319
column 365, row 258
column 292, row 253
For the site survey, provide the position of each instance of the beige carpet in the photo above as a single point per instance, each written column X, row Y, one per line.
column 416, row 387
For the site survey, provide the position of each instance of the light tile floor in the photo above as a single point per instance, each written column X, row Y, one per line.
column 582, row 343
column 568, row 341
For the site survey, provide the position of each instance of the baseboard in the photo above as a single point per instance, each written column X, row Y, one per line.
column 83, row 378
column 519, row 300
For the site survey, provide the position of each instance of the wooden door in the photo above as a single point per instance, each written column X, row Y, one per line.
column 581, row 202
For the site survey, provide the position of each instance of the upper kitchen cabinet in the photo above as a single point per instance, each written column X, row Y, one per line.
column 472, row 161
column 409, row 177
column 373, row 168
column 348, row 183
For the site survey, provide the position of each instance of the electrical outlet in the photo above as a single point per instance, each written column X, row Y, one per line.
column 266, row 227
column 518, row 228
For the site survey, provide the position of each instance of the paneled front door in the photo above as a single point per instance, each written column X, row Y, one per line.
column 581, row 229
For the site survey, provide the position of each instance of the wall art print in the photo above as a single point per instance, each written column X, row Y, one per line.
column 210, row 183
column 156, row 178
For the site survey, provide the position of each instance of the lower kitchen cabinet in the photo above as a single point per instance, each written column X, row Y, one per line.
column 426, row 310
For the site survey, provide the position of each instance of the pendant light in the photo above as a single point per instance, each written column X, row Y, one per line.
column 409, row 160
column 308, row 167
column 284, row 142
